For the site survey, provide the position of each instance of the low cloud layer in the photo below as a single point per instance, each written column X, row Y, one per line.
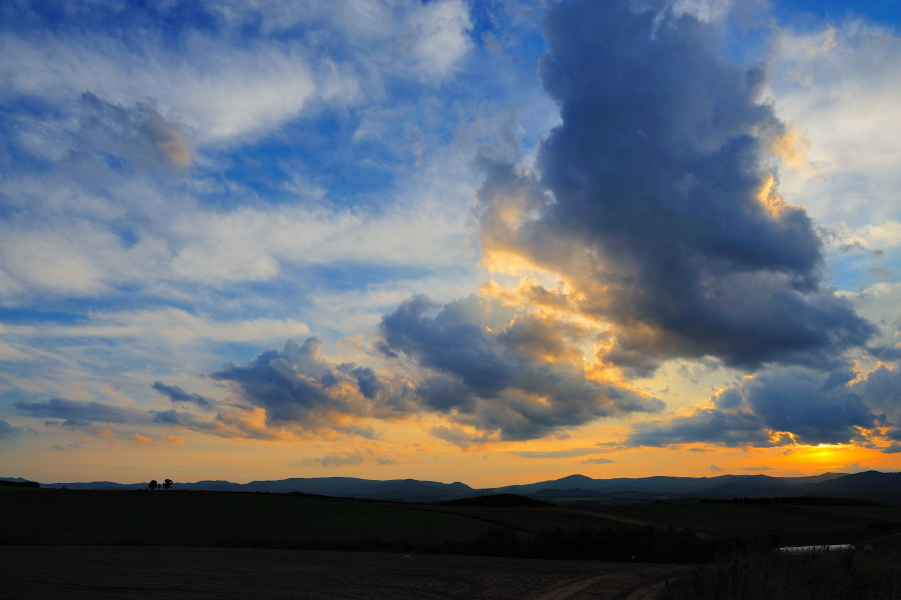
column 656, row 199
column 75, row 415
column 503, row 373
column 100, row 419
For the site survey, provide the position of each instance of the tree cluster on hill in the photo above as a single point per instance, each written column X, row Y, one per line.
column 153, row 485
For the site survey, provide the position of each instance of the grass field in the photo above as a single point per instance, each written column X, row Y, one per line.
column 184, row 518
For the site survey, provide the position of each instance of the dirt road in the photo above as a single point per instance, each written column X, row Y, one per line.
column 171, row 572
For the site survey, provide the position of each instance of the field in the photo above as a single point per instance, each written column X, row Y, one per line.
column 105, row 544
column 102, row 572
column 188, row 518
column 533, row 520
column 798, row 524
column 183, row 518
column 750, row 520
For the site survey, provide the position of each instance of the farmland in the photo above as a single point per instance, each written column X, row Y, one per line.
column 133, row 572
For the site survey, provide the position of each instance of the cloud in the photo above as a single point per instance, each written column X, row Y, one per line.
column 499, row 371
column 137, row 136
column 181, row 419
column 838, row 84
column 66, row 449
column 342, row 459
column 95, row 418
column 221, row 91
column 8, row 431
column 716, row 469
column 655, row 199
column 247, row 70
column 76, row 415
column 880, row 389
column 439, row 36
column 176, row 394
column 732, row 429
column 569, row 453
column 814, row 407
column 297, row 386
column 597, row 461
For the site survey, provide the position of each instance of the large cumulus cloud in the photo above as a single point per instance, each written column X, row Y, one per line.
column 297, row 386
column 656, row 199
column 514, row 376
column 791, row 405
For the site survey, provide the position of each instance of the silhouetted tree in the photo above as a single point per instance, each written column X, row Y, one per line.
column 168, row 483
column 153, row 484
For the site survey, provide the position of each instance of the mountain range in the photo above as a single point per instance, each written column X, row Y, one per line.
column 869, row 485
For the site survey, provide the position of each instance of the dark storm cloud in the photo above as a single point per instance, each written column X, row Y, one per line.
column 815, row 407
column 882, row 392
column 488, row 373
column 75, row 414
column 176, row 394
column 647, row 198
column 296, row 385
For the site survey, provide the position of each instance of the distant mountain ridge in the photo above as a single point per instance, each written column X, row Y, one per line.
column 869, row 485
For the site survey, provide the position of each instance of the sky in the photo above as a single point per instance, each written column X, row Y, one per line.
column 489, row 241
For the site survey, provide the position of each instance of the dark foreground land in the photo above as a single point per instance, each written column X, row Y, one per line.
column 129, row 544
column 173, row 572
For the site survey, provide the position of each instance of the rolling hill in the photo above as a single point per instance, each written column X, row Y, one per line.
column 870, row 485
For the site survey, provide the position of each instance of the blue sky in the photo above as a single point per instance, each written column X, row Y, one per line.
column 500, row 234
